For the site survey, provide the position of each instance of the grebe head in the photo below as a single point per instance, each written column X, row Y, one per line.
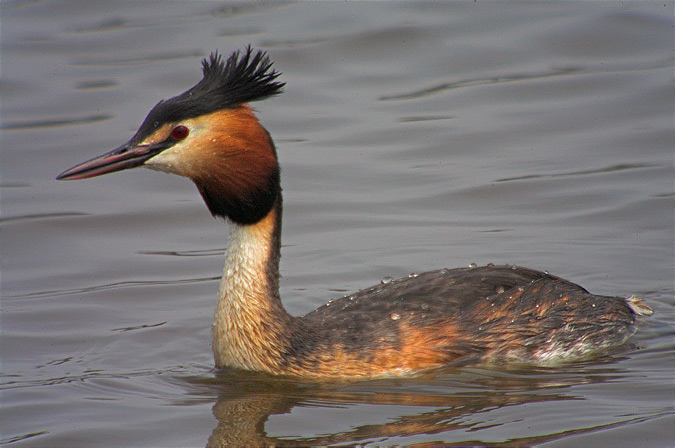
column 210, row 135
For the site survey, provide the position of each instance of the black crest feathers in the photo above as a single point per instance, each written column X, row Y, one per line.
column 246, row 76
column 243, row 78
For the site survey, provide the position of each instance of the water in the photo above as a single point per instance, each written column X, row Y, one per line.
column 412, row 136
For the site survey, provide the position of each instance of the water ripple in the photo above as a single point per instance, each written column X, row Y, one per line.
column 421, row 93
column 608, row 169
column 40, row 216
column 38, row 124
column 111, row 286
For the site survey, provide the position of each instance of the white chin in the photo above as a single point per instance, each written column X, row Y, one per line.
column 167, row 162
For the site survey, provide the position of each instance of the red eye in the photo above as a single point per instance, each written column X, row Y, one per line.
column 180, row 132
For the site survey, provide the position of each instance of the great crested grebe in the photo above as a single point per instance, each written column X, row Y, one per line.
column 446, row 317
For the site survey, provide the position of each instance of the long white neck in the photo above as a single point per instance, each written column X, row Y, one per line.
column 250, row 326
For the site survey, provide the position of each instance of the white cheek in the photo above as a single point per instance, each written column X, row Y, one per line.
column 181, row 158
column 169, row 161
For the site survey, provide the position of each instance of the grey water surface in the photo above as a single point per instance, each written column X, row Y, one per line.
column 412, row 136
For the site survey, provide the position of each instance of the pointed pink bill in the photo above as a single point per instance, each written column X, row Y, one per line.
column 125, row 157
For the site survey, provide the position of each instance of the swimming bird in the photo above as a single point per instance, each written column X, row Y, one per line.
column 211, row 135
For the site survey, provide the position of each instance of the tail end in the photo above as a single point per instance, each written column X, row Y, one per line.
column 638, row 306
